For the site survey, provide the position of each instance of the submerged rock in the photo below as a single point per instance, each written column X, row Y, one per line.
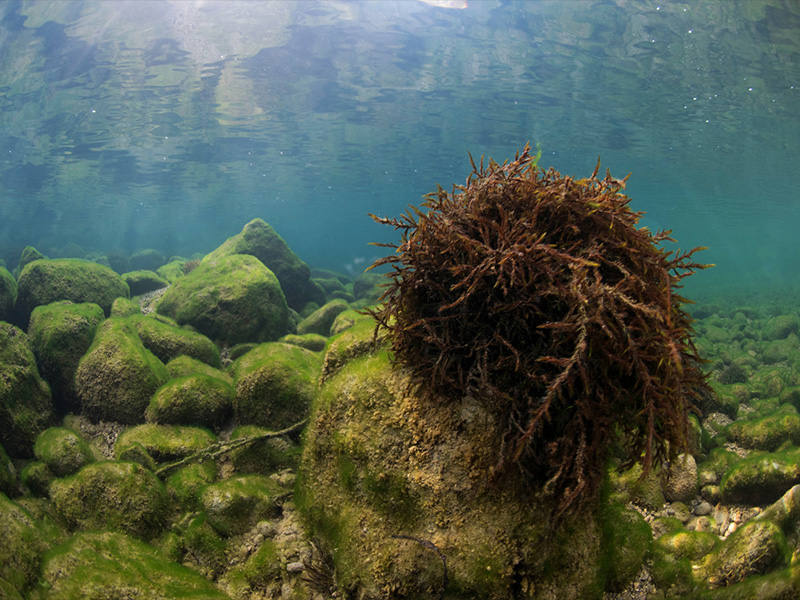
column 23, row 543
column 167, row 341
column 60, row 334
column 117, row 376
column 320, row 320
column 230, row 299
column 113, row 565
column 26, row 408
column 47, row 280
column 62, row 450
column 165, row 442
column 192, row 400
column 259, row 239
column 234, row 505
column 8, row 294
column 143, row 281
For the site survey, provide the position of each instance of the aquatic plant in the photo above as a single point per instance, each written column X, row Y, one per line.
column 539, row 295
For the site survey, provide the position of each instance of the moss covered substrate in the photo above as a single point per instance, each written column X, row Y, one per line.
column 385, row 479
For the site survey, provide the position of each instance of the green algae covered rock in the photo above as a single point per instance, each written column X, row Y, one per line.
column 37, row 477
column 234, row 505
column 167, row 340
column 117, row 376
column 26, row 408
column 165, row 442
column 23, row 542
column 767, row 433
column 45, row 281
column 320, row 320
column 143, row 281
column 110, row 565
column 761, row 478
column 8, row 294
column 186, row 365
column 780, row 327
column 355, row 338
column 8, row 475
column 125, row 307
column 628, row 539
column 377, row 461
column 121, row 496
column 230, row 299
column 264, row 456
column 28, row 255
column 192, row 400
column 62, row 450
column 692, row 545
column 261, row 569
column 60, row 334
column 275, row 384
column 260, row 240
column 309, row 341
column 200, row 547
column 147, row 259
column 755, row 548
column 185, row 485
column 173, row 270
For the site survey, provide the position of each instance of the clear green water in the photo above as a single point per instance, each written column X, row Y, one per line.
column 169, row 124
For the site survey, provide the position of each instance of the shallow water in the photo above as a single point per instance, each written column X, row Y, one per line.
column 169, row 124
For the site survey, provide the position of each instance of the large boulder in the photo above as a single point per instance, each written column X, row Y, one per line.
column 259, row 239
column 231, row 299
column 60, row 334
column 320, row 320
column 164, row 442
column 234, row 505
column 117, row 376
column 113, row 565
column 275, row 384
column 192, row 400
column 167, row 341
column 391, row 484
column 47, row 280
column 143, row 281
column 26, row 408
column 121, row 496
column 8, row 294
column 62, row 450
column 22, row 546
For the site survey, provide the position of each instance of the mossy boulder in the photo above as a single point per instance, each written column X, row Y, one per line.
column 264, row 456
column 192, row 400
column 28, row 255
column 173, row 270
column 230, row 299
column 234, row 505
column 378, row 461
column 260, row 571
column 116, row 378
column 26, row 407
column 780, row 327
column 202, row 548
column 23, row 542
column 8, row 475
column 186, row 365
column 352, row 341
column 112, row 565
column 185, row 485
column 60, row 334
column 692, row 545
column 125, row 307
column 8, row 294
column 62, row 450
column 121, row 496
column 147, row 259
column 767, row 433
column 167, row 341
column 47, row 280
column 754, row 548
column 37, row 477
column 644, row 491
column 628, row 539
column 761, row 478
column 275, row 384
column 781, row 350
column 143, row 281
column 320, row 320
column 309, row 341
column 165, row 442
column 260, row 240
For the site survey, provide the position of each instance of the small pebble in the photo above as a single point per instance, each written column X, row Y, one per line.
column 702, row 509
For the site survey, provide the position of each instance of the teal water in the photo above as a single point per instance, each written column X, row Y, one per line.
column 169, row 124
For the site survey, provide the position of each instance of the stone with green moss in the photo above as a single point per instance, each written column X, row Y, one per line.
column 761, row 478
column 185, row 485
column 167, row 341
column 172, row 271
column 756, row 547
column 202, row 547
column 275, row 384
column 260, row 240
column 113, row 565
column 673, row 576
column 192, row 400
column 62, row 450
column 8, row 294
column 28, row 255
column 125, row 307
column 47, row 280
column 645, row 491
column 770, row 382
column 165, row 442
column 117, row 376
column 377, row 461
column 309, row 341
column 627, row 540
column 767, row 433
column 135, row 452
column 37, row 477
column 230, row 299
column 693, row 545
column 60, row 334
column 351, row 342
column 146, row 259
column 264, row 456
column 143, row 281
column 23, row 542
column 235, row 505
column 781, row 350
column 780, row 327
column 120, row 496
column 186, row 365
column 26, row 407
column 261, row 571
column 320, row 320
column 368, row 287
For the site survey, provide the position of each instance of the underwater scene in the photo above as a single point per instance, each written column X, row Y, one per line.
column 399, row 299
